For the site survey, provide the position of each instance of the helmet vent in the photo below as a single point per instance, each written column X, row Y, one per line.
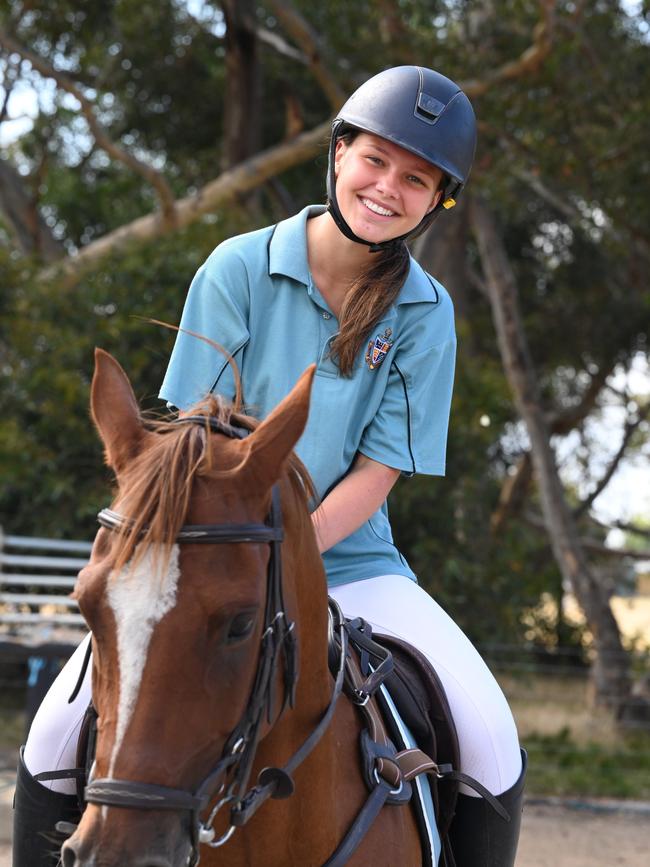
column 428, row 108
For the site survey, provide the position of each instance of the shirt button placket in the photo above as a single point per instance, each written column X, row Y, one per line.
column 325, row 363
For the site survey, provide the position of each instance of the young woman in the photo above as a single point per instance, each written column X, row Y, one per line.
column 336, row 286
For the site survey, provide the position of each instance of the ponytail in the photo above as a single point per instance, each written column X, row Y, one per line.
column 366, row 302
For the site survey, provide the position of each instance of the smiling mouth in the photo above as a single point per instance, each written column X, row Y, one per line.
column 377, row 209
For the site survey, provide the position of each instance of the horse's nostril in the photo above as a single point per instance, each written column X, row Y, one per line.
column 68, row 856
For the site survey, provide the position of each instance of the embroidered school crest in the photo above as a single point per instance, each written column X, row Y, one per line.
column 378, row 349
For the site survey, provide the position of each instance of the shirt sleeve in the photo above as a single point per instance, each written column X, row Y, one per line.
column 409, row 430
column 217, row 307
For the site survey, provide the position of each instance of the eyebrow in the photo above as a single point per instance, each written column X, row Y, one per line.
column 415, row 167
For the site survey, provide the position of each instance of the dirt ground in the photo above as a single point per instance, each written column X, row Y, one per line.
column 560, row 836
column 552, row 836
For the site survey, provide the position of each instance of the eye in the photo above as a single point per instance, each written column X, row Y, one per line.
column 241, row 626
column 416, row 180
column 374, row 160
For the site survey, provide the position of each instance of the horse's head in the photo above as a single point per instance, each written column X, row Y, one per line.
column 178, row 623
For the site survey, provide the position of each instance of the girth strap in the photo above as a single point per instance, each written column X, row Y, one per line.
column 360, row 826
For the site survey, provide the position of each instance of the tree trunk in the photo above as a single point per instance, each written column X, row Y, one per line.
column 442, row 251
column 28, row 228
column 611, row 668
column 241, row 136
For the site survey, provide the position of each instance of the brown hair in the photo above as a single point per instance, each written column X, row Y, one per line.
column 366, row 302
column 157, row 484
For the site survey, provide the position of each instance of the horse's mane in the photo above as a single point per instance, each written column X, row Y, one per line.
column 157, row 484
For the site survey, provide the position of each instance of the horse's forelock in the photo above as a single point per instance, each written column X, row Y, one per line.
column 156, row 486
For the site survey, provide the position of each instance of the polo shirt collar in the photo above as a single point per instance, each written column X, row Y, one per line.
column 418, row 287
column 288, row 246
column 288, row 256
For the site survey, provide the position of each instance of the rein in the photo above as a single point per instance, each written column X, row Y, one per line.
column 229, row 779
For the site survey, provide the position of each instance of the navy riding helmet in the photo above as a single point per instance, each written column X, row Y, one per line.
column 417, row 109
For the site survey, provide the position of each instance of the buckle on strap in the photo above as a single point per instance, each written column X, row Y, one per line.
column 360, row 633
column 380, row 764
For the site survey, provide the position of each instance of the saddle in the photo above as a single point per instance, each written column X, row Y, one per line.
column 421, row 702
column 395, row 685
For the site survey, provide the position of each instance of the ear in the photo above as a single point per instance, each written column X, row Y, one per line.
column 115, row 411
column 436, row 199
column 272, row 442
column 341, row 147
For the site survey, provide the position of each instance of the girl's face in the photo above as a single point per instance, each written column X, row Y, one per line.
column 382, row 189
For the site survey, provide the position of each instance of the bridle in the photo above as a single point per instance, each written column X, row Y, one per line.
column 228, row 780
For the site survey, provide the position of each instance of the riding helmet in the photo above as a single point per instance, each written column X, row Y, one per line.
column 421, row 111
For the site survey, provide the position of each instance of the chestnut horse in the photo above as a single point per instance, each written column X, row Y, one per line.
column 180, row 631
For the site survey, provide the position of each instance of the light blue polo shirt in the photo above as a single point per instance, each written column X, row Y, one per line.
column 255, row 296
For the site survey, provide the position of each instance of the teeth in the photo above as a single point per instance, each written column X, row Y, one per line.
column 377, row 208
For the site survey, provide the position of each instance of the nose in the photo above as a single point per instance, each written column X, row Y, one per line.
column 388, row 183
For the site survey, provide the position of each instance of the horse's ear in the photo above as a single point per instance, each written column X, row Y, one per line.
column 272, row 442
column 115, row 411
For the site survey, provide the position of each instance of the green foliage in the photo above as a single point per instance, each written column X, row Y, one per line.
column 635, row 541
column 50, row 458
column 560, row 766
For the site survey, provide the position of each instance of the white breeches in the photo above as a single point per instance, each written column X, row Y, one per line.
column 52, row 740
column 393, row 604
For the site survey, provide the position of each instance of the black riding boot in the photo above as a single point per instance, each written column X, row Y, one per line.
column 479, row 836
column 36, row 811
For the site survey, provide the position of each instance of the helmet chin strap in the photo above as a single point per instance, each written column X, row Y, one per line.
column 337, row 216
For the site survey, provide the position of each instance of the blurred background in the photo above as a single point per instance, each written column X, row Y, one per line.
column 135, row 135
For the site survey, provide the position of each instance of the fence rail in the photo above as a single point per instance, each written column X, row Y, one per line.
column 32, row 570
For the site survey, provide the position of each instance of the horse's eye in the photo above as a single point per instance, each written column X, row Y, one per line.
column 241, row 626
